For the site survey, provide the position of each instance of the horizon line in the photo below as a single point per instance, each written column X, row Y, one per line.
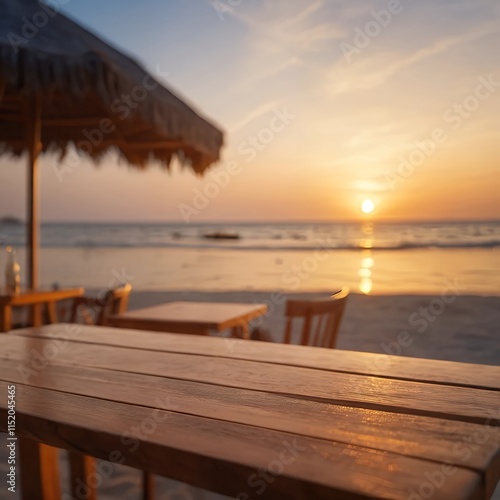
column 274, row 221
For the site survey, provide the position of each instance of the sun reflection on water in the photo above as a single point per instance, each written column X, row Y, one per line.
column 367, row 262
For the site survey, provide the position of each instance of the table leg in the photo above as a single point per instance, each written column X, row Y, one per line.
column 148, row 486
column 241, row 331
column 39, row 470
column 82, row 468
column 37, row 315
column 5, row 318
column 52, row 313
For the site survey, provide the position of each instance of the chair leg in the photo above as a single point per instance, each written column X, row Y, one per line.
column 241, row 331
column 148, row 486
column 36, row 315
column 81, row 468
column 39, row 471
column 51, row 314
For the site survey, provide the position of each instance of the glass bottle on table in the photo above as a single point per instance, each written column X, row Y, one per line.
column 12, row 272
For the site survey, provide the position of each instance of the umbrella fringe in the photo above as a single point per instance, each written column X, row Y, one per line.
column 89, row 71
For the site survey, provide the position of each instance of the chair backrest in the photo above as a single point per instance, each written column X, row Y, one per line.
column 117, row 302
column 321, row 319
column 95, row 310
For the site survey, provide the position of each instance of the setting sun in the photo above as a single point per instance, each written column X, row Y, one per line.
column 367, row 206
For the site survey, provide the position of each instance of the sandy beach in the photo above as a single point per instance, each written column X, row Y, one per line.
column 449, row 326
column 466, row 329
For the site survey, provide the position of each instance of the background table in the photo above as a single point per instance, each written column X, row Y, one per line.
column 255, row 419
column 191, row 317
column 36, row 298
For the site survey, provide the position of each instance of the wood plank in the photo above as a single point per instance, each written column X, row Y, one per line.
column 472, row 446
column 226, row 457
column 189, row 317
column 392, row 367
column 160, row 326
column 415, row 398
column 34, row 298
column 30, row 297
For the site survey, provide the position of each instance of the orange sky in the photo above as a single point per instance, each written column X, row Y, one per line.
column 318, row 114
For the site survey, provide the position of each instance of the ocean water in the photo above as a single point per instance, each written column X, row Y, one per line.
column 368, row 257
column 263, row 236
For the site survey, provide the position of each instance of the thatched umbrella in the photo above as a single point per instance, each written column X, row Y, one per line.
column 63, row 87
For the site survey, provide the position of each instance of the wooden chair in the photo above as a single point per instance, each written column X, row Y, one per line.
column 321, row 319
column 95, row 310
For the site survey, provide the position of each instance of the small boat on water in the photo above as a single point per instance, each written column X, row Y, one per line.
column 219, row 235
column 9, row 220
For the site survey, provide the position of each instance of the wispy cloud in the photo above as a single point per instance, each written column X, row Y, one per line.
column 304, row 14
column 254, row 114
column 282, row 35
column 361, row 77
column 289, row 63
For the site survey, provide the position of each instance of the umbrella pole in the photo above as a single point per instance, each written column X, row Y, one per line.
column 44, row 482
column 33, row 131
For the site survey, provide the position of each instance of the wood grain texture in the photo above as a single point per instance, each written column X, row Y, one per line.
column 431, row 439
column 207, row 413
column 226, row 457
column 400, row 396
column 392, row 367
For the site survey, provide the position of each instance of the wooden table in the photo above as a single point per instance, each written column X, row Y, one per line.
column 255, row 419
column 35, row 298
column 198, row 318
